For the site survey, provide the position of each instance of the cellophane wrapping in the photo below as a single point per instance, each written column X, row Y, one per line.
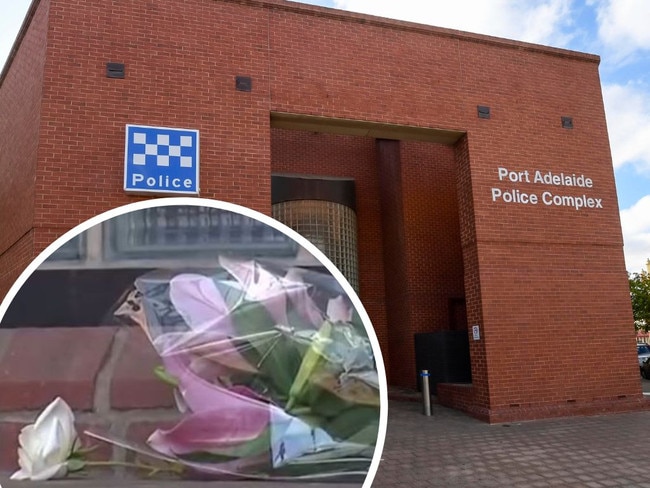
column 271, row 368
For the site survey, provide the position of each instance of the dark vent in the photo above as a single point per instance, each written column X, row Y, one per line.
column 115, row 70
column 243, row 83
column 567, row 123
column 483, row 112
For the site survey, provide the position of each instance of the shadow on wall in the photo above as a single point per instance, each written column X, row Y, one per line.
column 70, row 298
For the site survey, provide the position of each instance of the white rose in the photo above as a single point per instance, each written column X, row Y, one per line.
column 46, row 445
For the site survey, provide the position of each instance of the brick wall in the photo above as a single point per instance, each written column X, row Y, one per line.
column 20, row 109
column 415, row 233
column 397, row 344
column 110, row 385
column 307, row 153
column 479, row 393
column 14, row 260
column 534, row 275
column 433, row 254
column 180, row 72
column 541, row 281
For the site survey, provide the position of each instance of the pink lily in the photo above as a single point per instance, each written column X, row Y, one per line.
column 219, row 418
column 200, row 395
column 211, row 431
column 203, row 308
column 200, row 303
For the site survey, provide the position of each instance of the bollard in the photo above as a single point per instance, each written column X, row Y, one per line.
column 426, row 397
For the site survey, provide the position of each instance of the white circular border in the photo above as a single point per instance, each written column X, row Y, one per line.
column 317, row 253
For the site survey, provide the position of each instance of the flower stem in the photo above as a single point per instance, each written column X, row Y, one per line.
column 115, row 463
column 152, row 469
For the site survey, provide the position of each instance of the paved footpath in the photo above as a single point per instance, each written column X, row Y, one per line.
column 114, row 483
column 451, row 449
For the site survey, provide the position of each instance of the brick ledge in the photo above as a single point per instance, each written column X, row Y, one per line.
column 460, row 397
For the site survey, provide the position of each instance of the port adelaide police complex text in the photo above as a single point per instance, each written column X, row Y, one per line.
column 556, row 195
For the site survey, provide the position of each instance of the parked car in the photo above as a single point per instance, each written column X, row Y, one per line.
column 645, row 369
column 643, row 353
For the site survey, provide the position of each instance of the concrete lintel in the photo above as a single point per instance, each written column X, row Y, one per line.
column 377, row 130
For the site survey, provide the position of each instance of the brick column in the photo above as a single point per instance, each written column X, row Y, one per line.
column 400, row 350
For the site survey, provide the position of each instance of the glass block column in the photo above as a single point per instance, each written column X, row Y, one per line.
column 322, row 210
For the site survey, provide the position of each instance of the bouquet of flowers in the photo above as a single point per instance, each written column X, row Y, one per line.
column 271, row 369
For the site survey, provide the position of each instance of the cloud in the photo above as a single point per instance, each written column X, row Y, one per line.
column 627, row 108
column 635, row 222
column 623, row 26
column 537, row 21
column 10, row 21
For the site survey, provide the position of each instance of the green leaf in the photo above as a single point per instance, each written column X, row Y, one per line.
column 366, row 436
column 310, row 362
column 640, row 296
column 81, row 452
column 75, row 464
column 350, row 424
column 323, row 467
column 275, row 354
column 319, row 383
column 345, row 451
column 163, row 375
column 358, row 323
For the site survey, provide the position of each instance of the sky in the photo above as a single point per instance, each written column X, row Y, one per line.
column 616, row 30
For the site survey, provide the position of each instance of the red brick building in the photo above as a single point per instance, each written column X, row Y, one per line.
column 484, row 193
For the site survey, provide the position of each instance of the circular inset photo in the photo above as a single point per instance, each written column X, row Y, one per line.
column 184, row 338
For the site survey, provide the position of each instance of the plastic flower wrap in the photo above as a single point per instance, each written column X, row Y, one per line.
column 271, row 367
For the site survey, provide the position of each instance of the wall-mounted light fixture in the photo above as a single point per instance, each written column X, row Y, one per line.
column 567, row 122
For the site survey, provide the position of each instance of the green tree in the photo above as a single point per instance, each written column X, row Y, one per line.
column 640, row 295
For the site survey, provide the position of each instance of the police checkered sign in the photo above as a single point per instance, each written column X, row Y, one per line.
column 161, row 160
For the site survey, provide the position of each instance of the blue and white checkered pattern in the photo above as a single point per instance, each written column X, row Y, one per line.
column 162, row 152
column 161, row 159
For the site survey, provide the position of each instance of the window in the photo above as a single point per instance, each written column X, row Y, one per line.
column 184, row 235
column 169, row 232
column 73, row 250
column 331, row 227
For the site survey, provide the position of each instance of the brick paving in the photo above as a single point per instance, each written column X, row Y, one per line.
column 452, row 450
column 168, row 484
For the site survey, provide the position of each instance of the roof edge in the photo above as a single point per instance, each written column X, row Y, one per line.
column 342, row 15
column 19, row 39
